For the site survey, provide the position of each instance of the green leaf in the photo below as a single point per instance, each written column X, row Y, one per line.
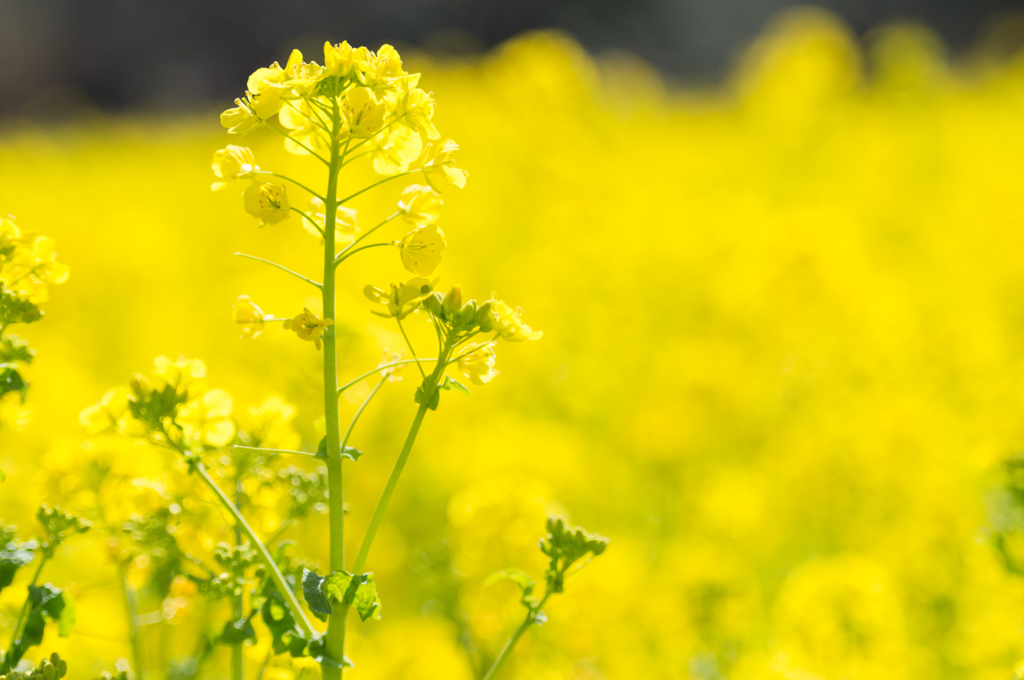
column 343, row 588
column 3, row 475
column 312, row 590
column 11, row 381
column 435, row 398
column 14, row 555
column 45, row 603
column 14, row 349
column 456, row 386
column 68, row 616
column 237, row 632
column 349, row 452
column 286, row 635
column 14, row 309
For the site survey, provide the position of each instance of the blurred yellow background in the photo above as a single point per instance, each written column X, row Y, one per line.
column 782, row 355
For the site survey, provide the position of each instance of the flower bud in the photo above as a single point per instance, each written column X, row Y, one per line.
column 485, row 317
column 467, row 315
column 452, row 302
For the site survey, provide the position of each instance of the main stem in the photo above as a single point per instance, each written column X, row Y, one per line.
column 336, row 625
column 237, row 658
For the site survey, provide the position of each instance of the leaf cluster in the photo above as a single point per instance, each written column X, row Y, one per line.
column 340, row 589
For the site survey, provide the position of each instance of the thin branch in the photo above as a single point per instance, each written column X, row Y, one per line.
column 284, row 269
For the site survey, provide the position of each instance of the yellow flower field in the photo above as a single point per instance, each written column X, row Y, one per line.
column 782, row 363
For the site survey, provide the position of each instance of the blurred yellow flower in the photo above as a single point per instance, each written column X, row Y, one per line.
column 249, row 317
column 478, row 364
column 508, row 323
column 421, row 249
column 363, row 112
column 232, row 163
column 208, row 419
column 395, row 150
column 308, row 326
column 108, row 414
column 346, row 222
column 267, row 201
column 419, row 204
column 439, row 166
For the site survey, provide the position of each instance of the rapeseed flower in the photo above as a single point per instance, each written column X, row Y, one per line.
column 249, row 317
column 478, row 364
column 346, row 221
column 267, row 201
column 508, row 324
column 403, row 299
column 308, row 326
column 421, row 249
column 232, row 163
column 420, row 205
column 439, row 166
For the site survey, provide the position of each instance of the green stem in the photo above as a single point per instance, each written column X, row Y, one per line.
column 308, row 219
column 268, row 560
column 362, row 407
column 342, row 255
column 237, row 605
column 332, row 665
column 408, row 343
column 531, row 618
column 16, row 631
column 376, row 184
column 297, row 453
column 284, row 269
column 339, row 260
column 430, row 386
column 131, row 602
column 364, row 376
column 311, row 152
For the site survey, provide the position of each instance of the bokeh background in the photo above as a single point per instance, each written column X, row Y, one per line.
column 777, row 254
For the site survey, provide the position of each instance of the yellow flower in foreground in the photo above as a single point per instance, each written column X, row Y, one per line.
column 509, row 325
column 249, row 317
column 346, row 224
column 231, row 163
column 395, row 150
column 478, row 365
column 344, row 60
column 308, row 326
column 421, row 249
column 439, row 166
column 419, row 204
column 267, row 201
column 363, row 112
column 403, row 299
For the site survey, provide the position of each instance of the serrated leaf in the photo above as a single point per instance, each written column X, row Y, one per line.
column 346, row 589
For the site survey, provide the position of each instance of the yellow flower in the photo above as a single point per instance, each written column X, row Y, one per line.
column 417, row 107
column 394, row 151
column 420, row 205
column 391, row 372
column 509, row 325
column 108, row 414
column 241, row 119
column 301, row 77
column 346, row 224
column 385, row 65
column 182, row 372
column 265, row 91
column 363, row 111
column 207, row 420
column 344, row 60
column 249, row 317
column 231, row 163
column 478, row 365
column 299, row 118
column 403, row 299
column 439, row 166
column 308, row 326
column 421, row 249
column 267, row 201
column 28, row 262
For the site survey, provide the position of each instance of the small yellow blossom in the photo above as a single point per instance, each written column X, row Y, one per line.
column 439, row 166
column 181, row 372
column 346, row 223
column 231, row 163
column 308, row 326
column 403, row 299
column 478, row 364
column 300, row 76
column 363, row 111
column 420, row 205
column 344, row 60
column 249, row 317
column 108, row 414
column 267, row 201
column 509, row 325
column 421, row 249
column 241, row 119
column 391, row 373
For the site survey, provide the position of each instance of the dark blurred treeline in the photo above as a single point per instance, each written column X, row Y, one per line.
column 64, row 57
